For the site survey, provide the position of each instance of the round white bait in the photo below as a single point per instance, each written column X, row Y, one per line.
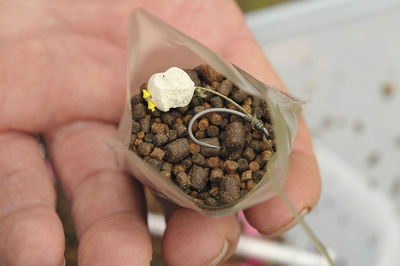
column 171, row 89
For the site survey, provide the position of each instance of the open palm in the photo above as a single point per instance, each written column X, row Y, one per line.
column 62, row 75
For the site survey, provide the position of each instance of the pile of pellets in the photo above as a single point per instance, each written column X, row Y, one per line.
column 213, row 178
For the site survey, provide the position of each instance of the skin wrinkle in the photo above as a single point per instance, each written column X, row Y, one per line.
column 71, row 133
column 99, row 237
column 16, row 194
column 15, row 240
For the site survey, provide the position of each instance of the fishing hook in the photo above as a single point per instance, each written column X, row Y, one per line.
column 256, row 123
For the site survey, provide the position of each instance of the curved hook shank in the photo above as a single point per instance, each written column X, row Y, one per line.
column 207, row 111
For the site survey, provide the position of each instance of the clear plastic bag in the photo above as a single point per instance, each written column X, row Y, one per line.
column 154, row 47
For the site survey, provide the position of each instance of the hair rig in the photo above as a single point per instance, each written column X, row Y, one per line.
column 174, row 88
column 255, row 122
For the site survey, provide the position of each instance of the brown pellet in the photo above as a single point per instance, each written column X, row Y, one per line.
column 230, row 166
column 215, row 119
column 216, row 175
column 224, row 123
column 193, row 76
column 140, row 135
column 257, row 176
column 172, row 135
column 209, row 152
column 157, row 153
column 200, row 134
column 226, row 87
column 183, row 180
column 242, row 185
column 199, row 177
column 198, row 109
column 243, row 164
column 263, row 145
column 247, row 108
column 232, row 106
column 196, row 101
column 206, row 105
column 239, row 96
column 145, row 124
column 215, row 84
column 235, row 135
column 135, row 127
column 234, row 156
column 254, row 166
column 138, row 111
column 249, row 154
column 217, row 102
column 168, row 118
column 186, row 119
column 266, row 156
column 194, row 148
column 248, row 101
column 160, row 139
column 199, row 159
column 209, row 201
column 180, row 130
column 214, row 191
column 257, row 134
column 210, row 74
column 214, row 162
column 156, row 113
column 159, row 128
column 137, row 99
column 204, row 195
column 179, row 168
column 212, row 131
column 183, row 109
column 229, row 189
column 148, row 137
column 249, row 138
column 194, row 194
column 167, row 167
column 246, row 176
column 177, row 150
column 145, row 148
column 250, row 185
column 138, row 142
column 179, row 120
column 195, row 126
column 203, row 124
column 255, row 145
column 187, row 163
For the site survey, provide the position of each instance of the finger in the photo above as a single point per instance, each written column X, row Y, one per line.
column 29, row 224
column 303, row 185
column 107, row 205
column 303, row 188
column 195, row 238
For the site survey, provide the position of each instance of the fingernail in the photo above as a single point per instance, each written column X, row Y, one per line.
column 221, row 255
column 64, row 262
column 289, row 225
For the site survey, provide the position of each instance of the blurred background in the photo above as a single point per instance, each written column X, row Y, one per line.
column 343, row 58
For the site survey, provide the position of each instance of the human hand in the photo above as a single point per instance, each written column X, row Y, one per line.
column 62, row 75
